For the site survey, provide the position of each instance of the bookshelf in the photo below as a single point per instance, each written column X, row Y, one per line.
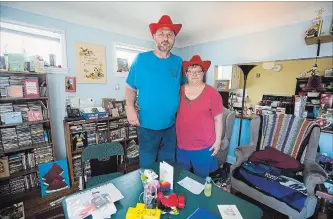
column 100, row 131
column 24, row 145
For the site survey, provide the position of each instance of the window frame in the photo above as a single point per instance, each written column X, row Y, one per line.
column 130, row 47
column 63, row 44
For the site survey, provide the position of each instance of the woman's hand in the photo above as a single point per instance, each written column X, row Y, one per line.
column 216, row 147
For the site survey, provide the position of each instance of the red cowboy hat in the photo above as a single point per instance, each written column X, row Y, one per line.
column 165, row 21
column 196, row 60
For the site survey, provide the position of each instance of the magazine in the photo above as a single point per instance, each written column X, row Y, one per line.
column 97, row 202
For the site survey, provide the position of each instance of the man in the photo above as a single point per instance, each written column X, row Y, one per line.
column 155, row 76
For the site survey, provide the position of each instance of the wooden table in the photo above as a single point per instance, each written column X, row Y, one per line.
column 131, row 187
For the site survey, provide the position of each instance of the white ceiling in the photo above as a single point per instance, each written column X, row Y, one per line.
column 202, row 21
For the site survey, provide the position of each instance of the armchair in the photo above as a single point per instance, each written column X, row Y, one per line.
column 227, row 127
column 312, row 173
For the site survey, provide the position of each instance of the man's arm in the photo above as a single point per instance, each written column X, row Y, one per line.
column 130, row 95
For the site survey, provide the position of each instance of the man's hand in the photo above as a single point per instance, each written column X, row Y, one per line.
column 132, row 116
column 216, row 147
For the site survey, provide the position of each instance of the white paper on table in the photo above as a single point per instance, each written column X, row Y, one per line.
column 192, row 185
column 166, row 173
column 229, row 212
column 108, row 210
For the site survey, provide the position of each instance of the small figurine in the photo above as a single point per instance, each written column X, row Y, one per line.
column 164, row 186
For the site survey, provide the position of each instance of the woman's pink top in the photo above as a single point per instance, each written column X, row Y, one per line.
column 195, row 124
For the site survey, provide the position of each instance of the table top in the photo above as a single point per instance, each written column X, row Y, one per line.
column 130, row 186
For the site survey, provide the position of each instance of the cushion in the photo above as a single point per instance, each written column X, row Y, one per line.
column 276, row 158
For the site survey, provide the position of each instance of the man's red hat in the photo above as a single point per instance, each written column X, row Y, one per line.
column 165, row 21
column 196, row 60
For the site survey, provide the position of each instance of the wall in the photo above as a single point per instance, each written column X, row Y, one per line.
column 57, row 88
column 281, row 43
column 283, row 82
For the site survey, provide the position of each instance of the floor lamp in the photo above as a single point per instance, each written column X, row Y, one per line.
column 246, row 69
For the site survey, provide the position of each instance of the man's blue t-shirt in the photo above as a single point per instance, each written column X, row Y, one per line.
column 157, row 82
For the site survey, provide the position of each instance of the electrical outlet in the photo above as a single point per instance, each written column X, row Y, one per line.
column 117, row 87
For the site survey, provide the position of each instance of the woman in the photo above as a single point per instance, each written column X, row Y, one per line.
column 199, row 120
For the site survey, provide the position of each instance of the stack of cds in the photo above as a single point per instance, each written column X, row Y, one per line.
column 43, row 154
column 4, row 108
column 15, row 162
column 16, row 80
column 76, row 128
column 23, row 108
column 37, row 134
column 9, row 138
column 23, row 135
column 28, row 160
column 4, row 83
column 132, row 132
column 132, row 152
column 90, row 128
column 35, row 105
column 4, row 189
column 77, row 168
column 17, row 185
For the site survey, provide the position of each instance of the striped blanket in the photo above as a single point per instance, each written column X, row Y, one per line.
column 286, row 133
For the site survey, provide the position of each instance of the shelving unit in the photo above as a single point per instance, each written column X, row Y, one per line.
column 309, row 106
column 321, row 39
column 28, row 145
column 74, row 154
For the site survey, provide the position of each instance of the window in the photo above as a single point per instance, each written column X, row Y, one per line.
column 31, row 41
column 225, row 73
column 125, row 55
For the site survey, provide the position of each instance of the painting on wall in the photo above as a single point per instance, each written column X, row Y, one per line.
column 90, row 63
column 70, row 84
column 53, row 177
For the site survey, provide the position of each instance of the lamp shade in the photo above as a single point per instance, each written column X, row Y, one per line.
column 246, row 69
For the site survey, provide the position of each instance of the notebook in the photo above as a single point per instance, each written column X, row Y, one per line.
column 202, row 213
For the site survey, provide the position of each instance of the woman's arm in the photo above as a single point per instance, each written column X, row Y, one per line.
column 218, row 132
column 218, row 127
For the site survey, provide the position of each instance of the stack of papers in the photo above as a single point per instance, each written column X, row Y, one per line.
column 192, row 185
column 97, row 202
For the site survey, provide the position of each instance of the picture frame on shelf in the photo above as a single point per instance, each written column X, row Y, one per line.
column 222, row 85
column 121, row 108
column 31, row 88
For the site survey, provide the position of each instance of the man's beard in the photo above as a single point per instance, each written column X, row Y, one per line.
column 165, row 46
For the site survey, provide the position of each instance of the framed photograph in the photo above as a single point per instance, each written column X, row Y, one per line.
column 222, row 85
column 70, row 84
column 90, row 63
column 31, row 88
column 121, row 108
column 331, row 30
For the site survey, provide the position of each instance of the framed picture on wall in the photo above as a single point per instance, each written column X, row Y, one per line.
column 90, row 63
column 70, row 84
column 222, row 85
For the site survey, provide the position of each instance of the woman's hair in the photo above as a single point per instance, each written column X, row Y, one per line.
column 193, row 66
